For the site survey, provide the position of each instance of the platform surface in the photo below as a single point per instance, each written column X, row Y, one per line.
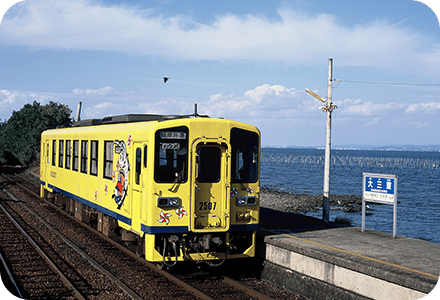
column 409, row 262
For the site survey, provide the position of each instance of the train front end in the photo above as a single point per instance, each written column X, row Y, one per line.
column 206, row 187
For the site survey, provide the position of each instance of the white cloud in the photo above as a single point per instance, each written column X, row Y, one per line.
column 271, row 96
column 135, row 104
column 279, row 102
column 421, row 124
column 103, row 105
column 15, row 100
column 430, row 108
column 219, row 105
column 263, row 101
column 99, row 110
column 374, row 121
column 357, row 107
column 293, row 38
column 91, row 92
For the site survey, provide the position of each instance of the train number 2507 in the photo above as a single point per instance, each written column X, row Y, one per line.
column 207, row 205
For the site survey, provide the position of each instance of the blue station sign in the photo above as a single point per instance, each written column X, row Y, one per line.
column 380, row 187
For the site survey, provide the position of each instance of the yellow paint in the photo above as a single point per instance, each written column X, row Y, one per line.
column 209, row 209
column 361, row 256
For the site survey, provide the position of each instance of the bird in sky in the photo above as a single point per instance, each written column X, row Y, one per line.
column 165, row 79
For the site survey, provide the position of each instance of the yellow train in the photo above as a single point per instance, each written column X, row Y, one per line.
column 174, row 187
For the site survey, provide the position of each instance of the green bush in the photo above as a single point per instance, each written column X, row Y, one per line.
column 21, row 134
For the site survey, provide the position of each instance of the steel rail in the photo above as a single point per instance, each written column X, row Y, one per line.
column 23, row 187
column 18, row 175
column 132, row 294
column 46, row 258
column 199, row 294
column 169, row 276
column 26, row 179
column 253, row 293
column 11, row 277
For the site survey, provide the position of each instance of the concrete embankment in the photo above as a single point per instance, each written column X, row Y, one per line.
column 330, row 261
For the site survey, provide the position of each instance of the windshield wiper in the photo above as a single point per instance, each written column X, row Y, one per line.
column 178, row 179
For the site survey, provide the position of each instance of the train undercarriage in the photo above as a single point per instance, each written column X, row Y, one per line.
column 212, row 248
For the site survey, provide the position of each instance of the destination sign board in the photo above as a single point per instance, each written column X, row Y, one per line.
column 380, row 187
column 173, row 135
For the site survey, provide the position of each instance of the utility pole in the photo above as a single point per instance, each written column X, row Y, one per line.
column 328, row 109
column 326, row 192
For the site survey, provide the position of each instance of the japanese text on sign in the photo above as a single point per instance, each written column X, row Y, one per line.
column 379, row 187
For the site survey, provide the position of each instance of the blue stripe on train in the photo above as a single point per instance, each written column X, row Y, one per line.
column 144, row 228
column 163, row 229
column 92, row 205
column 184, row 229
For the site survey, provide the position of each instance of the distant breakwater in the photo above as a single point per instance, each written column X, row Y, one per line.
column 356, row 161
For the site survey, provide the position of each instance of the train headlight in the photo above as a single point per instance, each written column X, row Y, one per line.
column 246, row 200
column 168, row 202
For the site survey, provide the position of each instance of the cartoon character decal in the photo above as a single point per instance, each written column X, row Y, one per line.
column 122, row 171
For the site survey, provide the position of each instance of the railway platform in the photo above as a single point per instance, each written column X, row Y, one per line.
column 331, row 261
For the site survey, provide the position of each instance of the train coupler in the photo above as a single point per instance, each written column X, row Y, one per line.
column 171, row 241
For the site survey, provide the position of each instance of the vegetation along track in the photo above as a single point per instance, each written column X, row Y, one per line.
column 89, row 263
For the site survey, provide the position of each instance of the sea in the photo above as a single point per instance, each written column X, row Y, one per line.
column 301, row 171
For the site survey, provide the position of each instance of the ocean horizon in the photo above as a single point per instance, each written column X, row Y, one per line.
column 301, row 171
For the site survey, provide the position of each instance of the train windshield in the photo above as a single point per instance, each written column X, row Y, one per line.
column 171, row 155
column 244, row 155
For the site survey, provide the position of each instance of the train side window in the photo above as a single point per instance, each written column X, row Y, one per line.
column 84, row 156
column 94, row 158
column 75, row 155
column 244, row 159
column 108, row 159
column 54, row 152
column 61, row 154
column 138, row 164
column 145, row 156
column 68, row 154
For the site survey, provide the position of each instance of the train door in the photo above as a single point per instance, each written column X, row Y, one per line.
column 138, row 184
column 43, row 166
column 45, row 163
column 211, row 187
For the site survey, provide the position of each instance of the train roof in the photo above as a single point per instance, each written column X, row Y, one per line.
column 131, row 118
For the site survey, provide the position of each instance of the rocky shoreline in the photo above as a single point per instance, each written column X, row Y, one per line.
column 297, row 203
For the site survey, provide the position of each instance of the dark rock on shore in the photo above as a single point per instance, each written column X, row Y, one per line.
column 289, row 202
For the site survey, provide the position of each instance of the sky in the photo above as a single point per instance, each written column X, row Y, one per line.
column 245, row 60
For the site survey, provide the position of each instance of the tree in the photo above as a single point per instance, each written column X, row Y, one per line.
column 21, row 134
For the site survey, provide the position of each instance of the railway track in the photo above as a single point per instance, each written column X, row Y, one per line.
column 9, row 279
column 121, row 272
column 82, row 253
column 37, row 262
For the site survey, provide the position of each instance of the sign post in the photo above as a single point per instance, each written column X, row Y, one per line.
column 379, row 188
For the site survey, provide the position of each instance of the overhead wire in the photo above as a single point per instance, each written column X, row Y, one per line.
column 387, row 83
